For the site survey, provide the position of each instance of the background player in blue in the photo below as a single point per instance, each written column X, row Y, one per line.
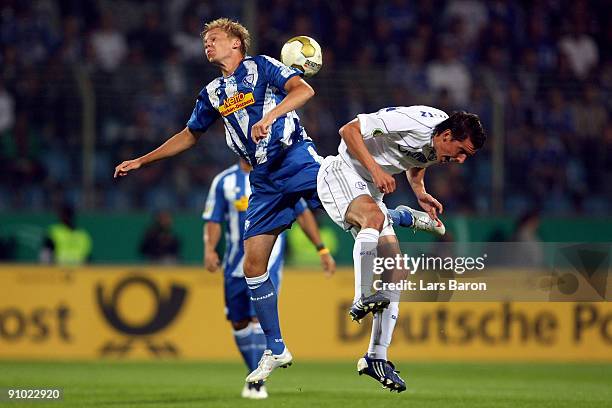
column 227, row 204
column 256, row 97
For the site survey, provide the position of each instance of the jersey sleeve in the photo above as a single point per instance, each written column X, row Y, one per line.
column 300, row 207
column 216, row 204
column 385, row 121
column 275, row 72
column 203, row 115
column 371, row 124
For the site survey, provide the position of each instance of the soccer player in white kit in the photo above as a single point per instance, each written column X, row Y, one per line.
column 352, row 185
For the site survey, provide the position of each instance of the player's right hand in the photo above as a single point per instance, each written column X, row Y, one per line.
column 122, row 169
column 211, row 261
column 383, row 181
column 430, row 205
column 260, row 130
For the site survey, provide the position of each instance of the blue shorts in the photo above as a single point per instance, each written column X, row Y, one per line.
column 277, row 187
column 238, row 305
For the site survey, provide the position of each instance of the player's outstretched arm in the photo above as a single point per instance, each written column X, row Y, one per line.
column 416, row 178
column 298, row 93
column 351, row 134
column 211, row 237
column 181, row 141
column 309, row 225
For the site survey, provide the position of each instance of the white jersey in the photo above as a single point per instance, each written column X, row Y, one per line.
column 398, row 138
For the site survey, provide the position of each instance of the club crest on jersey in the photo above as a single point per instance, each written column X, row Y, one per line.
column 360, row 185
column 236, row 102
column 248, row 81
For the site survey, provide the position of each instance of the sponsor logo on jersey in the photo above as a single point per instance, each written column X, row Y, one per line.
column 428, row 154
column 236, row 102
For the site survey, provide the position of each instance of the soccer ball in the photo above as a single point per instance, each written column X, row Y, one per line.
column 303, row 53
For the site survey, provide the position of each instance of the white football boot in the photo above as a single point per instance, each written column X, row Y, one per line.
column 268, row 363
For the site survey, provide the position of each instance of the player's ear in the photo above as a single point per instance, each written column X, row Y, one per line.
column 446, row 135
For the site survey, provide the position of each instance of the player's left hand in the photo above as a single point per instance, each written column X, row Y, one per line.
column 260, row 130
column 430, row 205
column 329, row 264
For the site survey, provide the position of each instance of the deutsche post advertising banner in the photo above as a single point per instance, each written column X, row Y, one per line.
column 150, row 312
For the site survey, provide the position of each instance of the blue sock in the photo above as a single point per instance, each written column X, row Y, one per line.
column 263, row 296
column 401, row 218
column 244, row 341
column 259, row 343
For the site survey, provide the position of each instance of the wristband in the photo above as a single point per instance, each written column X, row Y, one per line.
column 323, row 251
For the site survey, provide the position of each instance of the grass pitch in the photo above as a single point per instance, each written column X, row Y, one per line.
column 309, row 384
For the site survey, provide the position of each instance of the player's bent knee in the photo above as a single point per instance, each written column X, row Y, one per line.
column 374, row 219
column 252, row 269
column 366, row 216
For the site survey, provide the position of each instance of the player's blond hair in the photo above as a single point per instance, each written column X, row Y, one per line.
column 233, row 29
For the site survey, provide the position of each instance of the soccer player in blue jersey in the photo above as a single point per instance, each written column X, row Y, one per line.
column 256, row 97
column 227, row 203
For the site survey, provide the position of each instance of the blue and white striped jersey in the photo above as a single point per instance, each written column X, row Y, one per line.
column 255, row 88
column 227, row 203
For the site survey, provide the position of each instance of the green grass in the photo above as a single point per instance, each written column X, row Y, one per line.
column 308, row 384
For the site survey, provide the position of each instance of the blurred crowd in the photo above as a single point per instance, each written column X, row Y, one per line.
column 539, row 73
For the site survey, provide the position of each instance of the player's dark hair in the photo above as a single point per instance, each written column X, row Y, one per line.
column 463, row 125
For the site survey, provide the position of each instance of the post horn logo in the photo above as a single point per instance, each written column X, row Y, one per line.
column 166, row 311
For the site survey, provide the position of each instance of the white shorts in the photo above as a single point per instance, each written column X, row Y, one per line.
column 338, row 185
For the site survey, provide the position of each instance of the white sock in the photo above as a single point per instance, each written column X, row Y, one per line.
column 364, row 252
column 383, row 325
